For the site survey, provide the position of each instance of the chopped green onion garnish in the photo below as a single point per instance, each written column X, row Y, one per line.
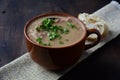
column 65, row 30
column 61, row 42
column 71, row 25
column 39, row 40
column 53, row 35
column 44, row 44
column 49, row 44
column 38, row 28
column 53, row 31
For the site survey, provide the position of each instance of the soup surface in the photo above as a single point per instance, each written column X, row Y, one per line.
column 55, row 31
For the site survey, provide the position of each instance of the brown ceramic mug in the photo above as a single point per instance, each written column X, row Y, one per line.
column 59, row 57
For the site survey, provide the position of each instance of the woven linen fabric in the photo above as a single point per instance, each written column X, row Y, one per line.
column 23, row 68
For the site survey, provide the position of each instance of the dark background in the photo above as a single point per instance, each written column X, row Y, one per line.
column 105, row 62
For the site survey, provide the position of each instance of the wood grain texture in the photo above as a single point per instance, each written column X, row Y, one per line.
column 15, row 13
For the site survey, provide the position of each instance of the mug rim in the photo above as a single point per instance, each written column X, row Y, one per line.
column 59, row 14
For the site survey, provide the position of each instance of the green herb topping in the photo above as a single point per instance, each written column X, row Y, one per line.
column 53, row 31
column 39, row 40
column 71, row 25
column 61, row 42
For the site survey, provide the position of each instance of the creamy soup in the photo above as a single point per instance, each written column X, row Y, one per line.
column 55, row 31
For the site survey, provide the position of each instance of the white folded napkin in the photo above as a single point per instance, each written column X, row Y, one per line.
column 23, row 68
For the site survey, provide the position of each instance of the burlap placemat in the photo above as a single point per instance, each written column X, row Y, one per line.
column 23, row 68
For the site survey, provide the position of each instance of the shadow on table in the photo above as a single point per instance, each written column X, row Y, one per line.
column 103, row 64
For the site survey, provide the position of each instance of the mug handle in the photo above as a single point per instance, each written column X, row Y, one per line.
column 93, row 31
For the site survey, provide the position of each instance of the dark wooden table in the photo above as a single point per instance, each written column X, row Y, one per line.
column 103, row 64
